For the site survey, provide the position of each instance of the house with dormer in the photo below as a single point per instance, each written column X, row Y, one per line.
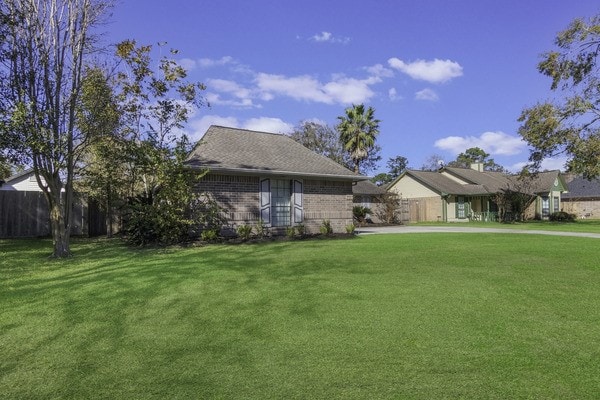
column 461, row 194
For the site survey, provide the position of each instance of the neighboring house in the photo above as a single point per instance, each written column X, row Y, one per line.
column 22, row 181
column 264, row 176
column 367, row 194
column 583, row 198
column 459, row 194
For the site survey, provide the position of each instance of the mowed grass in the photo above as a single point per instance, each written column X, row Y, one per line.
column 582, row 225
column 427, row 316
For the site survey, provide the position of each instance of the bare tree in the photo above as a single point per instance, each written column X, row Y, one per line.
column 42, row 59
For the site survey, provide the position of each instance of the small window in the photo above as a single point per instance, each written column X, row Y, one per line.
column 556, row 204
column 460, row 208
column 545, row 207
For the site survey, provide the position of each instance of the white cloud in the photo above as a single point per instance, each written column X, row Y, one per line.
column 209, row 62
column 427, row 95
column 548, row 164
column 266, row 124
column 436, row 71
column 214, row 99
column 329, row 37
column 380, row 70
column 495, row 143
column 243, row 96
column 302, row 87
column 340, row 90
column 393, row 94
column 188, row 64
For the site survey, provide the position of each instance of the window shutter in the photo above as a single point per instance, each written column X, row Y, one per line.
column 298, row 206
column 265, row 201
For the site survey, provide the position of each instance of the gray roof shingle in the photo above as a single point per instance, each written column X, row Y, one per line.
column 582, row 188
column 481, row 183
column 443, row 184
column 241, row 151
column 367, row 188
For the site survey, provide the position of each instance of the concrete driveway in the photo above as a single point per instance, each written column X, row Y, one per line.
column 460, row 229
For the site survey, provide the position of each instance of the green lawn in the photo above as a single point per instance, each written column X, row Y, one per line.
column 590, row 225
column 429, row 316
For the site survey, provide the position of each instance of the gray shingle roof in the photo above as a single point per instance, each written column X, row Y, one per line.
column 481, row 183
column 492, row 181
column 241, row 151
column 443, row 184
column 582, row 188
column 367, row 188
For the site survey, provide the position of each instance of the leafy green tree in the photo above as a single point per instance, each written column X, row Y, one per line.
column 321, row 139
column 5, row 168
column 154, row 106
column 476, row 155
column 570, row 127
column 324, row 140
column 396, row 166
column 358, row 131
column 42, row 56
column 103, row 169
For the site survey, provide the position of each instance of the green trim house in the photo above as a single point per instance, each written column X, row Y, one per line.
column 461, row 194
column 270, row 177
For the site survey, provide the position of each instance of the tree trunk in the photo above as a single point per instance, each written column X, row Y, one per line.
column 60, row 230
column 109, row 217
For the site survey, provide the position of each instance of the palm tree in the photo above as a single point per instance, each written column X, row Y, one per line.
column 358, row 130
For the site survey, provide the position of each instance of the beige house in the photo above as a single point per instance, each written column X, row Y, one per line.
column 463, row 194
column 272, row 178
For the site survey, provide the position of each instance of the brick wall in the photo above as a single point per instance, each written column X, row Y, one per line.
column 583, row 208
column 239, row 197
column 330, row 200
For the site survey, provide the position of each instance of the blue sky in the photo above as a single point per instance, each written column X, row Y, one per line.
column 441, row 75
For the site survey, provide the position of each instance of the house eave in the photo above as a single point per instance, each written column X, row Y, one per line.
column 268, row 172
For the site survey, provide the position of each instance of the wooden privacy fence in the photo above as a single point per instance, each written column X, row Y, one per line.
column 25, row 214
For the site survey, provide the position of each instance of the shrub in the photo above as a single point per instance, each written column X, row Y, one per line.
column 154, row 224
column 209, row 235
column 326, row 228
column 261, row 229
column 244, row 231
column 562, row 216
column 360, row 213
column 301, row 229
column 389, row 207
column 290, row 231
column 350, row 229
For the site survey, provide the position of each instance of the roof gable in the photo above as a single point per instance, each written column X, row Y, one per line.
column 241, row 151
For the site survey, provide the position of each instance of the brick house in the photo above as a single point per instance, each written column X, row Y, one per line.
column 583, row 198
column 264, row 176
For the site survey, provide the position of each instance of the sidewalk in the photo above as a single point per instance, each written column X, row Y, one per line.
column 460, row 229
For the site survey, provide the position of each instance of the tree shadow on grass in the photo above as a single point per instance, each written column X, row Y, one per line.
column 113, row 319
